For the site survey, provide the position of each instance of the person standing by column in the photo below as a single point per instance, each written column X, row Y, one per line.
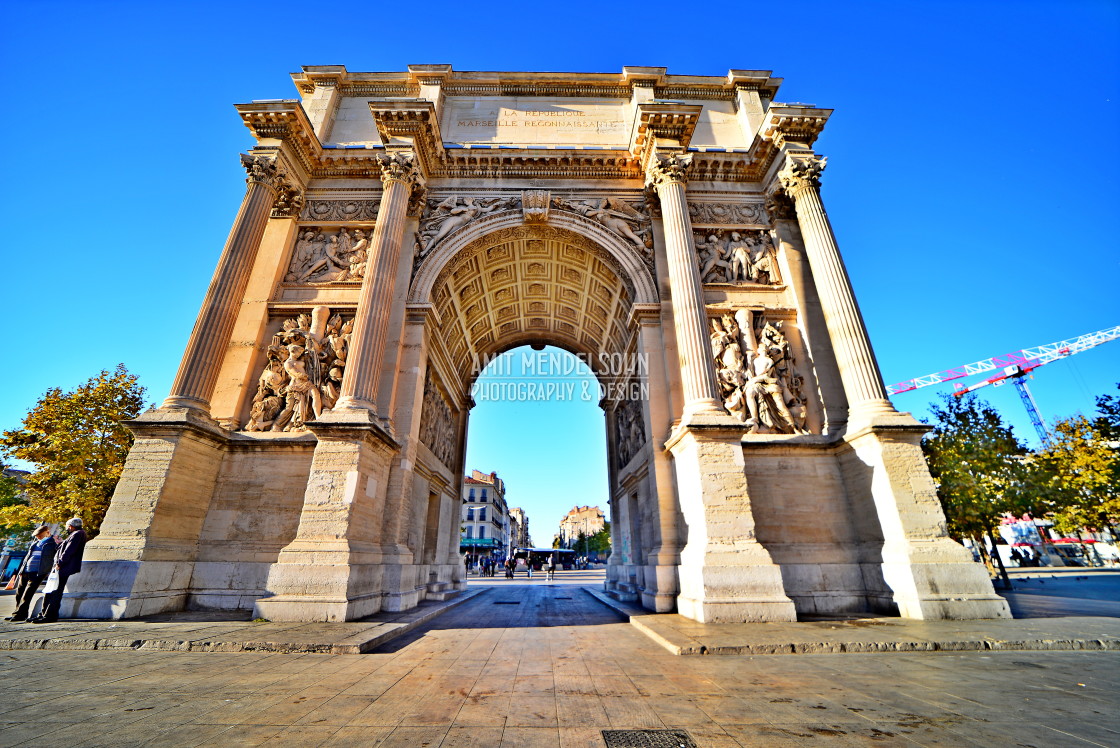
column 34, row 569
column 68, row 562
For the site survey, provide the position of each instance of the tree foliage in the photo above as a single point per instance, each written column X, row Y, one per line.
column 78, row 446
column 1080, row 466
column 978, row 464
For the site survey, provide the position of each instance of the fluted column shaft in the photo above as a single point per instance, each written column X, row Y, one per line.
column 371, row 325
column 690, row 319
column 198, row 370
column 859, row 372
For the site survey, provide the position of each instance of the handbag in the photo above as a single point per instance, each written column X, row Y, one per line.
column 52, row 581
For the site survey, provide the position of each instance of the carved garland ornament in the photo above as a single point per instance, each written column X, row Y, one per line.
column 755, row 370
column 324, row 256
column 744, row 256
column 728, row 213
column 340, row 210
column 303, row 375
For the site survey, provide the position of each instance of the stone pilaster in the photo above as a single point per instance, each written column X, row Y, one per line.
column 399, row 175
column 863, row 384
column 198, row 371
column 698, row 377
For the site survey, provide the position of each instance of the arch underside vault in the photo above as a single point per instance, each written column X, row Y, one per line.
column 531, row 285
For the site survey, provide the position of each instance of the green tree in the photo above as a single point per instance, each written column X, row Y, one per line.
column 979, row 467
column 1107, row 421
column 1081, row 468
column 601, row 541
column 77, row 444
column 12, row 495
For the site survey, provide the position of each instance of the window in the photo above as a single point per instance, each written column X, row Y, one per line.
column 470, row 531
column 470, row 513
column 484, row 494
column 470, row 495
column 482, row 532
column 482, row 514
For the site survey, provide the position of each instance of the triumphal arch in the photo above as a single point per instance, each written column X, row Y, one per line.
column 399, row 228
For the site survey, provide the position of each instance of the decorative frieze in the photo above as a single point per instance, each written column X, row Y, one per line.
column 340, row 210
column 324, row 256
column 755, row 371
column 303, row 374
column 728, row 213
column 745, row 256
column 437, row 424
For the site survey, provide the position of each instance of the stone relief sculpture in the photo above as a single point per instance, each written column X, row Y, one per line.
column 755, row 371
column 322, row 257
column 303, row 375
column 728, row 213
column 736, row 257
column 441, row 217
column 618, row 216
column 437, row 424
column 630, row 430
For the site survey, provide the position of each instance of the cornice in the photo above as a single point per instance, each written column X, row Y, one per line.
column 413, row 123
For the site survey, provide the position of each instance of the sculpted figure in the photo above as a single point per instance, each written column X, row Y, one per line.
column 740, row 251
column 303, row 401
column 616, row 216
column 330, row 262
column 305, row 253
column 457, row 215
column 714, row 267
column 357, row 258
column 762, row 263
column 764, row 391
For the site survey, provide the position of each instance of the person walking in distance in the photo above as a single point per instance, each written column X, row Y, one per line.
column 34, row 569
column 68, row 561
column 551, row 567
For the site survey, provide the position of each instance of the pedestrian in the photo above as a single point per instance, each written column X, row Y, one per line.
column 67, row 562
column 551, row 567
column 33, row 571
column 511, row 563
column 529, row 566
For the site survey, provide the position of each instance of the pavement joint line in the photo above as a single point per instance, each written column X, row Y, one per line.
column 1027, row 635
column 306, row 638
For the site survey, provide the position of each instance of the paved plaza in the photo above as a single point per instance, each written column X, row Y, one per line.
column 534, row 663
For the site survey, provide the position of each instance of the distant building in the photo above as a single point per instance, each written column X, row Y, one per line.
column 485, row 516
column 519, row 524
column 586, row 520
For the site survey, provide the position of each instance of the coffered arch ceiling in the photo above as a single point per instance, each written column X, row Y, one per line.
column 531, row 285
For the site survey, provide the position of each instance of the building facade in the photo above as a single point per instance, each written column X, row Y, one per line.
column 580, row 521
column 485, row 516
column 519, row 528
column 399, row 228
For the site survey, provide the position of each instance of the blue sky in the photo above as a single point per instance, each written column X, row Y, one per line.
column 971, row 179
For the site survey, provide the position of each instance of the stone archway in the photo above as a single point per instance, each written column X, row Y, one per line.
column 503, row 283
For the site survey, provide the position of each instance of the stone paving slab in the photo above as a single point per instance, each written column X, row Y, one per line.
column 193, row 635
column 683, row 636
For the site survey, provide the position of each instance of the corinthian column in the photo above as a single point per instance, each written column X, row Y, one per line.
column 863, row 384
column 690, row 319
column 198, row 371
column 399, row 175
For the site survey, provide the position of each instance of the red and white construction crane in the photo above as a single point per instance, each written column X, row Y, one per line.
column 1013, row 366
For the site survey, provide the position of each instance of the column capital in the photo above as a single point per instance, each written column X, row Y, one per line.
column 801, row 172
column 262, row 169
column 400, row 166
column 668, row 169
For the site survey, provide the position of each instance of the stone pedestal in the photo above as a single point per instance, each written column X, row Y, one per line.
column 726, row 575
column 929, row 575
column 142, row 561
column 332, row 571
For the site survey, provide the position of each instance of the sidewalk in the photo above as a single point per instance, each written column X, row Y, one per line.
column 683, row 636
column 217, row 631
